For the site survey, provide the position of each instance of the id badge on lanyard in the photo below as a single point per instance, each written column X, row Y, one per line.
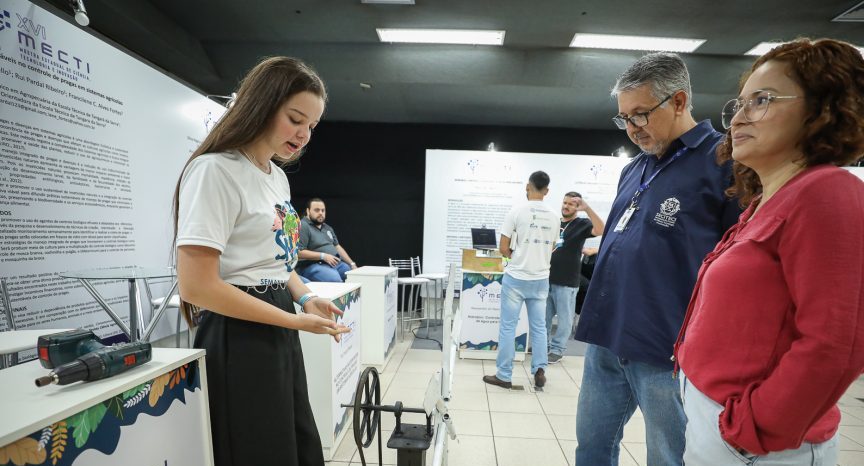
column 622, row 223
column 560, row 242
column 625, row 218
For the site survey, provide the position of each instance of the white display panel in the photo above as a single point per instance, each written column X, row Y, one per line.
column 92, row 142
column 379, row 286
column 332, row 369
column 470, row 189
column 857, row 171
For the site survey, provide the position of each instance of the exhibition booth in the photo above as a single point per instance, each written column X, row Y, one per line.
column 92, row 141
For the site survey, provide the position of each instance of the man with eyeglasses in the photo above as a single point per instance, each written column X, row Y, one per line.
column 565, row 267
column 669, row 213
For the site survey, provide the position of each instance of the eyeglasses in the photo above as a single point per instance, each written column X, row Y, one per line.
column 638, row 120
column 755, row 107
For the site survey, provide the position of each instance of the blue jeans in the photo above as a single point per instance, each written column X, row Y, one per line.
column 561, row 301
column 705, row 446
column 611, row 390
column 514, row 292
column 324, row 272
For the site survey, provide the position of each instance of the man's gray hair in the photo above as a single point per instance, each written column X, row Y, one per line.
column 665, row 72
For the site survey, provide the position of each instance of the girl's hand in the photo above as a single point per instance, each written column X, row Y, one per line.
column 316, row 324
column 325, row 309
column 322, row 307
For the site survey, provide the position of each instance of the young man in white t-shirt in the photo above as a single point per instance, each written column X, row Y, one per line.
column 527, row 237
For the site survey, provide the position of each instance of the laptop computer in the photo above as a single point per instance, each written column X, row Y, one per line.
column 483, row 238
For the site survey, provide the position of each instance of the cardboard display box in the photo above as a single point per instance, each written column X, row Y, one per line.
column 482, row 261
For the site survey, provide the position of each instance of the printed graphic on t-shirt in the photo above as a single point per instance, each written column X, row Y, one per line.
column 286, row 225
column 532, row 238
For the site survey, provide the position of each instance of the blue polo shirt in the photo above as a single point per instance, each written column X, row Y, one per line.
column 645, row 274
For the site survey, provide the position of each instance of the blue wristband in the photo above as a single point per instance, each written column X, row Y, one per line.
column 305, row 299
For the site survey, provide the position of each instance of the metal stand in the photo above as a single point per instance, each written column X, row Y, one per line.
column 410, row 440
column 136, row 330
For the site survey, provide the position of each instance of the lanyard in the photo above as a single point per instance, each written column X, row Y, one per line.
column 561, row 235
column 646, row 184
column 560, row 242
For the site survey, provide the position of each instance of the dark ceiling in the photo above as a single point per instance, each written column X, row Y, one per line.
column 535, row 79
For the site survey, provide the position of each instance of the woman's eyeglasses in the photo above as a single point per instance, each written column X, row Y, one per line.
column 754, row 107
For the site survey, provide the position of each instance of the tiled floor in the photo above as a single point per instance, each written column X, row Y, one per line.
column 497, row 427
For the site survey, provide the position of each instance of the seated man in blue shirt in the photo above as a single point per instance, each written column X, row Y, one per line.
column 322, row 259
column 669, row 213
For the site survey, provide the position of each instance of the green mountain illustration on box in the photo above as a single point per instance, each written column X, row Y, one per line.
column 492, row 345
column 345, row 301
column 472, row 279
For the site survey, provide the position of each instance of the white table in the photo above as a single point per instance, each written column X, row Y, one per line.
column 434, row 290
column 332, row 369
column 167, row 421
column 380, row 300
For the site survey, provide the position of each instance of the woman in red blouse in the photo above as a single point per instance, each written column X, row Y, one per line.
column 774, row 334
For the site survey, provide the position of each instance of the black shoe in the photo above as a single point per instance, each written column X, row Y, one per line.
column 554, row 358
column 539, row 378
column 494, row 380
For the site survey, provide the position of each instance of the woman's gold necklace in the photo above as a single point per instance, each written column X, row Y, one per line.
column 263, row 168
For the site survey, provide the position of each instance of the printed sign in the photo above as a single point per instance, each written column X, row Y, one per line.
column 480, row 304
column 346, row 359
column 168, row 412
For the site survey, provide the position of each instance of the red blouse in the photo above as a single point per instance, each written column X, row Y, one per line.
column 775, row 327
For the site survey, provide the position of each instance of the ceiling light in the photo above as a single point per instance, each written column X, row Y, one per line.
column 226, row 100
column 621, row 152
column 442, row 36
column 764, row 47
column 80, row 12
column 613, row 41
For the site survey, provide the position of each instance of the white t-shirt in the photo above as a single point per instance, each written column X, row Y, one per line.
column 228, row 204
column 533, row 229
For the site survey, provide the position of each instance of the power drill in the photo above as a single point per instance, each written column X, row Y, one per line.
column 78, row 355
